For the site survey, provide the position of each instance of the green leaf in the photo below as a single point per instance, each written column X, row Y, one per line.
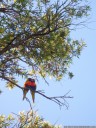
column 0, row 91
column 71, row 75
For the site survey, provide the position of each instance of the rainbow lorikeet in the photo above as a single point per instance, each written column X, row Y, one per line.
column 29, row 85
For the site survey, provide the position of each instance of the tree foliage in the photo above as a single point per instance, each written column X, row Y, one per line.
column 35, row 40
column 28, row 119
column 36, row 34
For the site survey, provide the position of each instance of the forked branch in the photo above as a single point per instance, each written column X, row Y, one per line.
column 60, row 100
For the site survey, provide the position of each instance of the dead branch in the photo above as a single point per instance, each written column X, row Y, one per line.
column 60, row 100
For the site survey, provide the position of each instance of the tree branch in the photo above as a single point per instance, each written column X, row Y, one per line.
column 59, row 100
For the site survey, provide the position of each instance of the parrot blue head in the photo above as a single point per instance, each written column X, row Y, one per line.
column 32, row 80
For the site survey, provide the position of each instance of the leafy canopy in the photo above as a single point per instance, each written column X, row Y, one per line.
column 36, row 34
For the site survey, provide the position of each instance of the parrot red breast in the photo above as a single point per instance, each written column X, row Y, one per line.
column 29, row 85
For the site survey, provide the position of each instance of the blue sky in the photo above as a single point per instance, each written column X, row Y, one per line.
column 82, row 108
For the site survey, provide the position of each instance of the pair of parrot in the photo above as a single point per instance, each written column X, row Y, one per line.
column 29, row 85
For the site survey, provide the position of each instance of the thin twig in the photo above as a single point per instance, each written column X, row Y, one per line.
column 29, row 102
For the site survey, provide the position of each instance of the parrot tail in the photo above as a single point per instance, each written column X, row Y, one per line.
column 33, row 95
column 24, row 93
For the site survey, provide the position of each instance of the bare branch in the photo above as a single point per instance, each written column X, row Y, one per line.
column 29, row 102
column 59, row 100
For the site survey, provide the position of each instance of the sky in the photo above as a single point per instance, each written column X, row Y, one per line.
column 82, row 107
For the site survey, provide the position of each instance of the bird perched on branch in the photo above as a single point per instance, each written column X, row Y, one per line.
column 29, row 85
